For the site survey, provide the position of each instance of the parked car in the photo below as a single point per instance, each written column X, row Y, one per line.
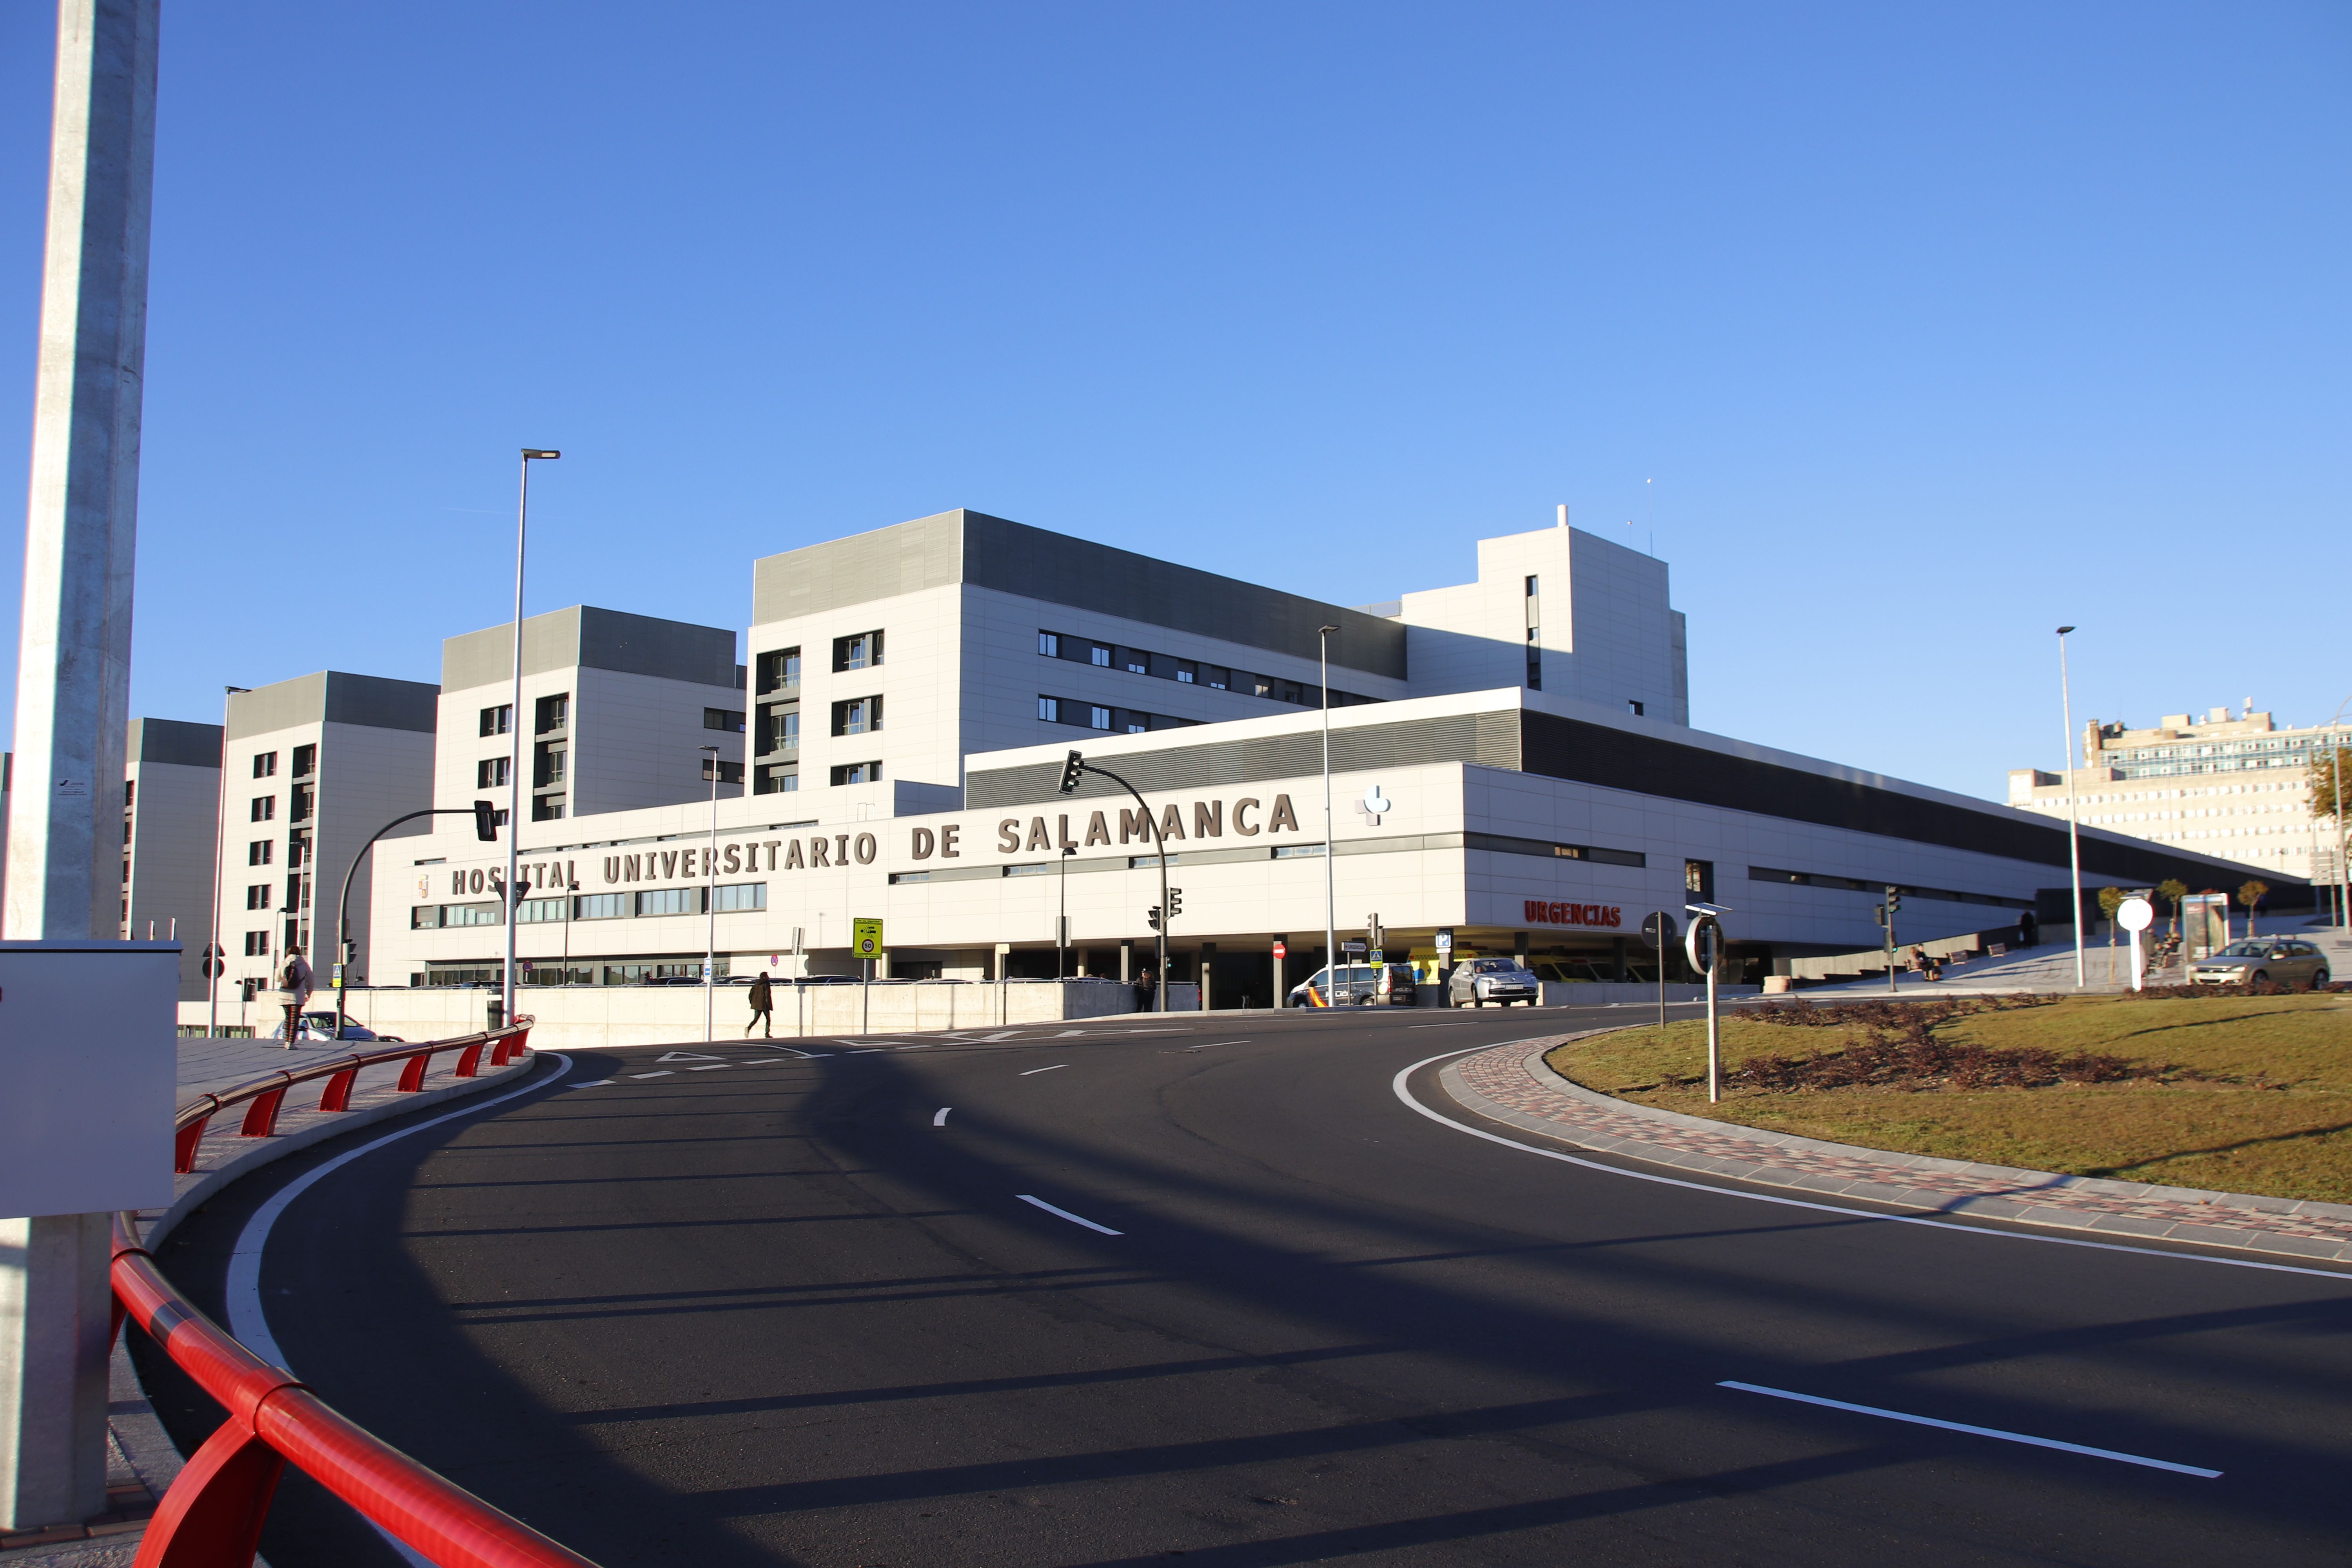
column 1357, row 985
column 321, row 1026
column 1501, row 981
column 2281, row 960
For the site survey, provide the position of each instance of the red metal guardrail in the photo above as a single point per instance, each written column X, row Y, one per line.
column 212, row 1515
column 262, row 1096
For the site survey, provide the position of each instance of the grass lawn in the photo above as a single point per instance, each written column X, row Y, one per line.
column 2258, row 1099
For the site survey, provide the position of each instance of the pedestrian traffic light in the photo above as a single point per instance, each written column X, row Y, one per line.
column 1070, row 771
column 1175, row 902
column 1152, row 915
column 1894, row 900
column 485, row 822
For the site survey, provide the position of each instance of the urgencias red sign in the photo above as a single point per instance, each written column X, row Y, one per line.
column 1551, row 914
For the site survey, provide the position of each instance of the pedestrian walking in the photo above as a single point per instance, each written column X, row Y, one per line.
column 763, row 1003
column 293, row 991
column 1143, row 989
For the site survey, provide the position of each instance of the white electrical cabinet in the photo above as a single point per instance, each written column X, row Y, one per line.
column 87, row 1071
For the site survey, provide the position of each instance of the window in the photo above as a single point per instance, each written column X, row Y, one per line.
column 776, row 778
column 779, row 671
column 498, row 721
column 858, row 716
column 532, row 910
column 304, row 803
column 546, row 764
column 1698, row 880
column 670, row 902
column 1217, row 676
column 547, row 808
column 1632, row 706
column 257, row 944
column 725, row 718
column 1050, row 644
column 599, row 906
column 298, row 892
column 741, row 896
column 857, row 772
column 473, row 915
column 265, row 807
column 1097, row 718
column 256, row 896
column 1135, row 661
column 298, row 846
column 306, row 761
column 259, row 852
column 863, row 651
column 780, row 727
column 1098, row 655
column 1049, row 709
column 265, row 765
column 490, row 772
column 424, row 917
column 1187, row 672
column 728, row 772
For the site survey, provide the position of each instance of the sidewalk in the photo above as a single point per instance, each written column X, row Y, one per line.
column 2051, row 968
column 1511, row 1084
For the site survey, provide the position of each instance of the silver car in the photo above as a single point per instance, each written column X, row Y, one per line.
column 2281, row 960
column 1478, row 981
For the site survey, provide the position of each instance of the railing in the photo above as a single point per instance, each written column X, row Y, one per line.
column 212, row 1515
column 263, row 1096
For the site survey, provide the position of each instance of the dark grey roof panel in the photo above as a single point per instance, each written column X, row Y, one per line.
column 966, row 546
column 174, row 741
column 597, row 638
column 334, row 697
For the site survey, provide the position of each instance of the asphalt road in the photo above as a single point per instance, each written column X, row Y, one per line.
column 801, row 1311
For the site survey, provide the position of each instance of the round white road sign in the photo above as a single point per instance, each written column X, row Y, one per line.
column 2135, row 915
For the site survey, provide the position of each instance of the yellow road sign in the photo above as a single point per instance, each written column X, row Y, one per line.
column 866, row 938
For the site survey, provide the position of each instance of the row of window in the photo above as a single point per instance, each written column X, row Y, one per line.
column 732, row 898
column 306, row 763
column 779, row 669
column 1186, row 671
column 1095, row 716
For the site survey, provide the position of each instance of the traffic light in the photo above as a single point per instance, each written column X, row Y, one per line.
column 1152, row 915
column 1175, row 902
column 1070, row 771
column 485, row 822
column 1878, row 913
column 351, row 949
column 1374, row 934
column 1894, row 900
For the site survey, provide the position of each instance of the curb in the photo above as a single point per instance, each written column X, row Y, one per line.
column 1568, row 1112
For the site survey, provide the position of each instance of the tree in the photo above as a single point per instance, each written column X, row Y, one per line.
column 2251, row 893
column 2110, row 901
column 2174, row 890
column 2322, row 772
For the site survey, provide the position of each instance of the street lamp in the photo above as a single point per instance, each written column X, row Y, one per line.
column 216, row 961
column 1323, row 635
column 711, row 899
column 514, row 733
column 1071, row 769
column 2074, row 834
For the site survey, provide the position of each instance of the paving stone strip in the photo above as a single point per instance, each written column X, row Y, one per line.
column 1511, row 1084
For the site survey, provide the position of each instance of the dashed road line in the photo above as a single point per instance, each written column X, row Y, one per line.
column 1974, row 1431
column 1065, row 1214
column 1032, row 1072
column 664, row 1073
column 714, row 1067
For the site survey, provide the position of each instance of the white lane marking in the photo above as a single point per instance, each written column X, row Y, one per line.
column 1032, row 1072
column 714, row 1067
column 685, row 1056
column 591, row 1083
column 942, row 1119
column 1452, row 1023
column 1213, row 1045
column 248, row 1323
column 1065, row 1214
column 1997, row 1233
column 1974, row 1431
column 664, row 1073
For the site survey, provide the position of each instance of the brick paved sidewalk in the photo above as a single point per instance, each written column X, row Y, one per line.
column 1512, row 1084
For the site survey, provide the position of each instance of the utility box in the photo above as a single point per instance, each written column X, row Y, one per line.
column 89, row 1069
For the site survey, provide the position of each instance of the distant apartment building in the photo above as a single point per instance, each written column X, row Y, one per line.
column 314, row 766
column 171, row 795
column 616, row 708
column 2234, row 787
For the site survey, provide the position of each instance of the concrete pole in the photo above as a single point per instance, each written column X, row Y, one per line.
column 73, row 697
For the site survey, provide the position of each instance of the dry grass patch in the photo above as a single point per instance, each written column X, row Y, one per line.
column 2250, row 1094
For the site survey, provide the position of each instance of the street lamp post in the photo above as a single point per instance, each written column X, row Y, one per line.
column 2074, row 834
column 514, row 733
column 1330, row 843
column 710, row 902
column 216, row 966
column 1062, row 925
column 2343, row 840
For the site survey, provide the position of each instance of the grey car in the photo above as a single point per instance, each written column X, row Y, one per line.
column 2281, row 960
column 1479, row 981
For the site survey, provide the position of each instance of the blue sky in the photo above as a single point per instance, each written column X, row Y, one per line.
column 1919, row 329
